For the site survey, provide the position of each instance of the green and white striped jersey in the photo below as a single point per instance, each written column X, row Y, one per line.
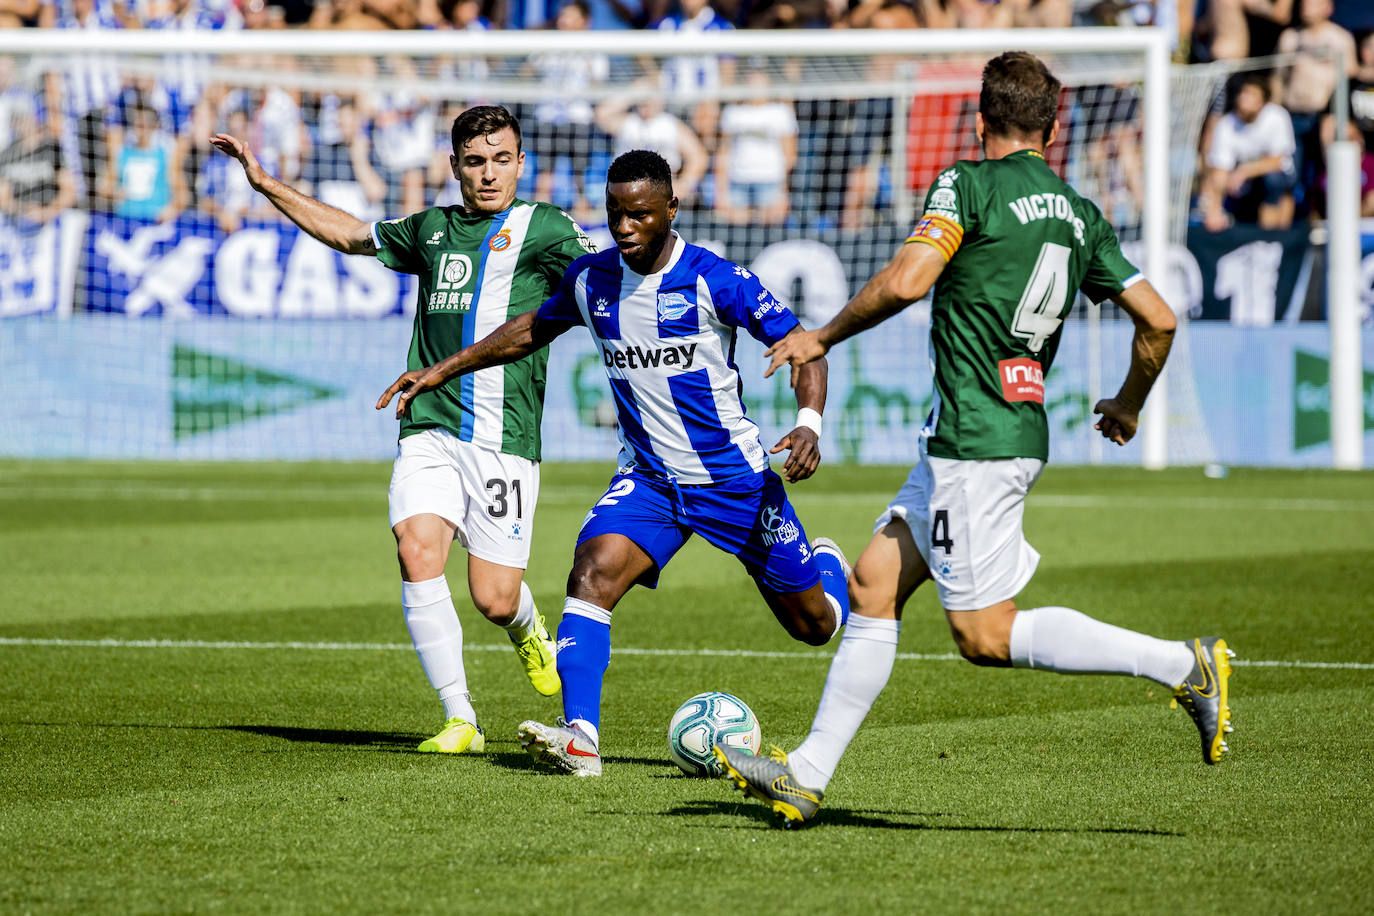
column 476, row 272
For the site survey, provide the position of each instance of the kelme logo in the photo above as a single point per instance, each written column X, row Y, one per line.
column 212, row 392
column 1312, row 400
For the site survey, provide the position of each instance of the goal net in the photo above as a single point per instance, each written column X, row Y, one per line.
column 183, row 316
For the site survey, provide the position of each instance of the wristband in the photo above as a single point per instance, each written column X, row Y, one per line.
column 811, row 419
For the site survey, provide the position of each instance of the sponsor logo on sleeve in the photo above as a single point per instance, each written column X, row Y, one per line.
column 1022, row 380
column 435, row 238
column 767, row 303
column 942, row 199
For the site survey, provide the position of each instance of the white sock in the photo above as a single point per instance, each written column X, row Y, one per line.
column 858, row 674
column 523, row 621
column 438, row 640
column 1064, row 640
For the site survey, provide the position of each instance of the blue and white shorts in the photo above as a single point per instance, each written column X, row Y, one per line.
column 749, row 517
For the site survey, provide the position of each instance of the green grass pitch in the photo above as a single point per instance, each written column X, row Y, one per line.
column 244, row 744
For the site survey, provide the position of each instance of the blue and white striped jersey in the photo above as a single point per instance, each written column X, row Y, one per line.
column 687, row 75
column 667, row 342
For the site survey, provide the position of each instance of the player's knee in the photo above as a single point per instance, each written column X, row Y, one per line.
column 495, row 602
column 870, row 601
column 979, row 653
column 590, row 581
column 978, row 642
column 813, row 633
column 420, row 559
column 813, row 630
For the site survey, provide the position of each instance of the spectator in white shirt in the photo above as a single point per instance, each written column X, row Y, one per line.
column 642, row 123
column 758, row 147
column 1249, row 173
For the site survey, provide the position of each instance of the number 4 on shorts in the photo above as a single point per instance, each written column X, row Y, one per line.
column 939, row 532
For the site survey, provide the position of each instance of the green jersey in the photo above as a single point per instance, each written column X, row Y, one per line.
column 476, row 272
column 1020, row 245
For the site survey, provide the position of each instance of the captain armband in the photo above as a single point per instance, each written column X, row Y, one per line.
column 939, row 232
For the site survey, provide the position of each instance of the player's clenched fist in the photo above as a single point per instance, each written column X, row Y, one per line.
column 1118, row 421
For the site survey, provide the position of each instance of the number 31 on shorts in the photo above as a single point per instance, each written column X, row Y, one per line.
column 502, row 493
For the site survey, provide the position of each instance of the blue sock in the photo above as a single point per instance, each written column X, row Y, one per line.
column 833, row 581
column 584, row 651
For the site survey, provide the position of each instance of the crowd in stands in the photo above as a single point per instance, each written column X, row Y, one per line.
column 136, row 144
column 1264, row 140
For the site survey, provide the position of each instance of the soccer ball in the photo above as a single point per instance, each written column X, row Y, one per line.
column 705, row 720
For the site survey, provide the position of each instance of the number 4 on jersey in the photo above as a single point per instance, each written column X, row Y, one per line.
column 1041, row 309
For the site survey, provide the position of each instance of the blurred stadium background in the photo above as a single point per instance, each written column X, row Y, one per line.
column 210, row 702
column 165, row 311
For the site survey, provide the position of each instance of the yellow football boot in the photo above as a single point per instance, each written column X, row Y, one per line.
column 459, row 736
column 537, row 653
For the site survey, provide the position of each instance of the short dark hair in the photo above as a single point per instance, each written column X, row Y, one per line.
column 482, row 121
column 1257, row 80
column 641, row 165
column 1019, row 97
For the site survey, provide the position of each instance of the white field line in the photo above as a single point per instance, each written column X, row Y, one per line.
column 24, row 641
column 364, row 493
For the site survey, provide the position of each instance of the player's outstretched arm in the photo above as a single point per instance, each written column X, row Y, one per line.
column 804, row 441
column 337, row 229
column 1154, row 335
column 519, row 337
column 906, row 278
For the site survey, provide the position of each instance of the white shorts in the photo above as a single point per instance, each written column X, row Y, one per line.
column 966, row 519
column 488, row 495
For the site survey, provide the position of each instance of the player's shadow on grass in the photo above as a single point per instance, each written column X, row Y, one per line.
column 387, row 742
column 852, row 817
column 525, row 763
